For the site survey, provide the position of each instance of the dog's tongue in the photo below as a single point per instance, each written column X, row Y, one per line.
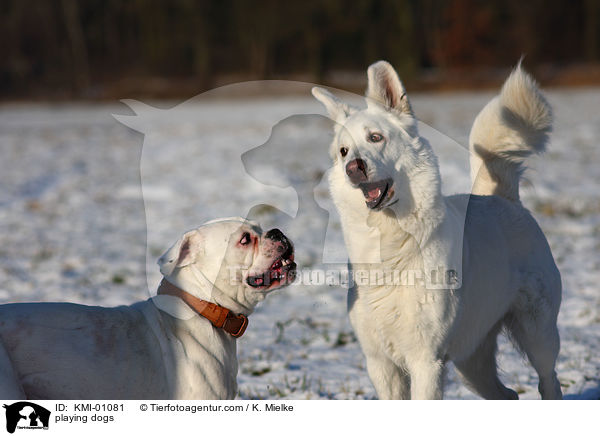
column 374, row 193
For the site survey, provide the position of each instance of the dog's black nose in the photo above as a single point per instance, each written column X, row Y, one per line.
column 278, row 236
column 357, row 171
column 275, row 235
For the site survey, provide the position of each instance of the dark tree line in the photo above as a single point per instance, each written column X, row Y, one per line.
column 74, row 45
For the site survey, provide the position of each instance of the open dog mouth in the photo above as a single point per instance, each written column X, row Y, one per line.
column 280, row 273
column 375, row 193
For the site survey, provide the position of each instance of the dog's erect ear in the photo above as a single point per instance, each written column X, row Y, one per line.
column 338, row 110
column 184, row 252
column 386, row 89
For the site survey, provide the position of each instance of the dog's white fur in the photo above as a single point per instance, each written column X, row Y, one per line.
column 508, row 278
column 154, row 349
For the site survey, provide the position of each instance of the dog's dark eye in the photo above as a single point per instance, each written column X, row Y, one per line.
column 375, row 137
column 245, row 239
column 344, row 151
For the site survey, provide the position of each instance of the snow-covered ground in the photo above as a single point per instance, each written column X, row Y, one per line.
column 75, row 227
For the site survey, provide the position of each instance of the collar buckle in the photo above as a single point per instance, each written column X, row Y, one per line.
column 235, row 325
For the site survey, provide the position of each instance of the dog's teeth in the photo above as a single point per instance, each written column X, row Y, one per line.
column 374, row 193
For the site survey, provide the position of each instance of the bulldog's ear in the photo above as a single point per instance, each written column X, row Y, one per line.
column 385, row 88
column 184, row 252
column 338, row 110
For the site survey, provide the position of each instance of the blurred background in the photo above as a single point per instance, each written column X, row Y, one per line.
column 107, row 49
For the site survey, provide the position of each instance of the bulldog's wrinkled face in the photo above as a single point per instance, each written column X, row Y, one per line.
column 273, row 263
column 235, row 256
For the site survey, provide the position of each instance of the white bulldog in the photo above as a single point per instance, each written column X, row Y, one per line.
column 180, row 344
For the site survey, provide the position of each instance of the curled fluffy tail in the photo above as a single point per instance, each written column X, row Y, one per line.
column 511, row 127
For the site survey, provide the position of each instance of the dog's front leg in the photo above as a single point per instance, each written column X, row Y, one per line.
column 427, row 380
column 390, row 381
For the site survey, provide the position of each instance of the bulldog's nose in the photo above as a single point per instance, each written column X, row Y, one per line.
column 357, row 171
column 277, row 235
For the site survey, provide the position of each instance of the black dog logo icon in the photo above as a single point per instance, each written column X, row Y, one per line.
column 28, row 415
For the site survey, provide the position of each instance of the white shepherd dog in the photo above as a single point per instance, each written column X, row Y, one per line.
column 385, row 184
